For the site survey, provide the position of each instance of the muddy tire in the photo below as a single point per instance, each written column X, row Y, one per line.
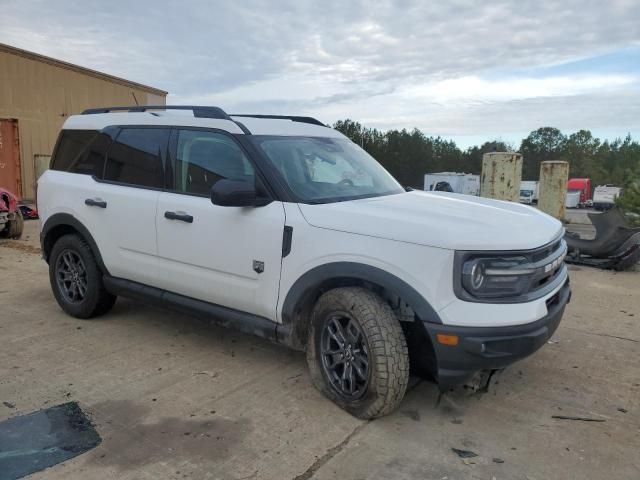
column 13, row 228
column 357, row 352
column 76, row 279
column 16, row 226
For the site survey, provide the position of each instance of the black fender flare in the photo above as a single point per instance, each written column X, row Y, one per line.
column 68, row 220
column 314, row 280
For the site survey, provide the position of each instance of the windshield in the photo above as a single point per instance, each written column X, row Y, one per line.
column 526, row 193
column 324, row 170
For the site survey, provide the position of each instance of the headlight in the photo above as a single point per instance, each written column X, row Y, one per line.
column 509, row 276
column 484, row 277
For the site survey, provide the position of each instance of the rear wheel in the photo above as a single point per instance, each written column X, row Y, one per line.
column 357, row 352
column 76, row 279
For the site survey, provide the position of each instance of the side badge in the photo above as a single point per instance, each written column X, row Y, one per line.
column 258, row 266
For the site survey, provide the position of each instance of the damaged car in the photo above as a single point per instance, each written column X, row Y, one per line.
column 11, row 220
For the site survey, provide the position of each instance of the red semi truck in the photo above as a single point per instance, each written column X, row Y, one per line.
column 583, row 185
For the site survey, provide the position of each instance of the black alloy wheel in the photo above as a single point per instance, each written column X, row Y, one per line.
column 71, row 275
column 345, row 356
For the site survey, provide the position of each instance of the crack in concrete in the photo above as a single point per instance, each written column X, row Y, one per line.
column 329, row 454
column 604, row 335
column 333, row 451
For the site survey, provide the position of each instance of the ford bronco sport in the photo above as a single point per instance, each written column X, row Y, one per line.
column 282, row 227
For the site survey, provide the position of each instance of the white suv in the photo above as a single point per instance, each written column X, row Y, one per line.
column 283, row 228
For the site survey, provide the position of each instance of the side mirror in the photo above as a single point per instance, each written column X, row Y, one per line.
column 234, row 193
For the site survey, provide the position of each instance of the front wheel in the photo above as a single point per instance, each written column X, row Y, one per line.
column 357, row 352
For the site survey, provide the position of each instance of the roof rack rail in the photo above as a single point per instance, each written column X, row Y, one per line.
column 293, row 118
column 198, row 111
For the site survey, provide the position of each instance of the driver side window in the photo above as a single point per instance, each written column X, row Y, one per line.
column 204, row 157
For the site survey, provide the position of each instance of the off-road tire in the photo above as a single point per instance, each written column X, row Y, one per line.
column 97, row 300
column 386, row 344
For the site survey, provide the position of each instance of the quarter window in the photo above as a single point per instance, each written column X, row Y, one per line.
column 69, row 153
column 204, row 157
column 136, row 157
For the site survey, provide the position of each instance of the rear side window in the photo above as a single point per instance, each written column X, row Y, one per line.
column 69, row 156
column 135, row 157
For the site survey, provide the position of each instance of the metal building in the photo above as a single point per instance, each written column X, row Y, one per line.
column 37, row 94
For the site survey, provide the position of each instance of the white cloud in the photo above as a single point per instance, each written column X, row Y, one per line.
column 458, row 68
column 474, row 89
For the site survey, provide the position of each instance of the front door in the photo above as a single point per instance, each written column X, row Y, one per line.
column 229, row 256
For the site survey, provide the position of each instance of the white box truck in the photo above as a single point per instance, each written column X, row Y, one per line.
column 529, row 190
column 465, row 183
column 604, row 196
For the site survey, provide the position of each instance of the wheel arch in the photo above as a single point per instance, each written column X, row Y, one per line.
column 301, row 297
column 61, row 224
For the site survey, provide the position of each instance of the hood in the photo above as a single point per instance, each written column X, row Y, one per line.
column 439, row 219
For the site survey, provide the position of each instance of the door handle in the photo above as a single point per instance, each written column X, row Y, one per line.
column 95, row 202
column 181, row 216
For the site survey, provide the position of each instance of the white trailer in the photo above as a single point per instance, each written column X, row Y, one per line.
column 604, row 196
column 465, row 183
column 529, row 190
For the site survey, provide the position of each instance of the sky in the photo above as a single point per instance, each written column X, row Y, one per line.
column 470, row 71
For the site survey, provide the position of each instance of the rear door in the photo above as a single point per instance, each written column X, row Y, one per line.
column 124, row 204
column 229, row 256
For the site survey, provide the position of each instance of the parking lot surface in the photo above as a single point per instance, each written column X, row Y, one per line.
column 174, row 397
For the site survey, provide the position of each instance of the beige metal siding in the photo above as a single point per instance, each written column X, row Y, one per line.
column 42, row 92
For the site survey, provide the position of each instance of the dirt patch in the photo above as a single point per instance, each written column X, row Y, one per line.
column 128, row 445
column 18, row 245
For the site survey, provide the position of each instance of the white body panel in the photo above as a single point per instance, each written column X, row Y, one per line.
column 429, row 270
column 438, row 219
column 125, row 231
column 257, row 126
column 212, row 258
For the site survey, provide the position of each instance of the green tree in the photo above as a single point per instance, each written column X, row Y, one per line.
column 408, row 155
column 582, row 150
column 546, row 143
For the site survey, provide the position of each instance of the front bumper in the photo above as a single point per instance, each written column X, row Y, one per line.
column 490, row 348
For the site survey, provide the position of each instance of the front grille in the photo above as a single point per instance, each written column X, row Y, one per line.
column 548, row 262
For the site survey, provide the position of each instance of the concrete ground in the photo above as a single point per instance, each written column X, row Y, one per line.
column 173, row 397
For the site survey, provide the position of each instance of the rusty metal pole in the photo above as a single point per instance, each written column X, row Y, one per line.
column 501, row 176
column 554, row 175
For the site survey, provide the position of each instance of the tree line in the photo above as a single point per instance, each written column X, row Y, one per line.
column 408, row 155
